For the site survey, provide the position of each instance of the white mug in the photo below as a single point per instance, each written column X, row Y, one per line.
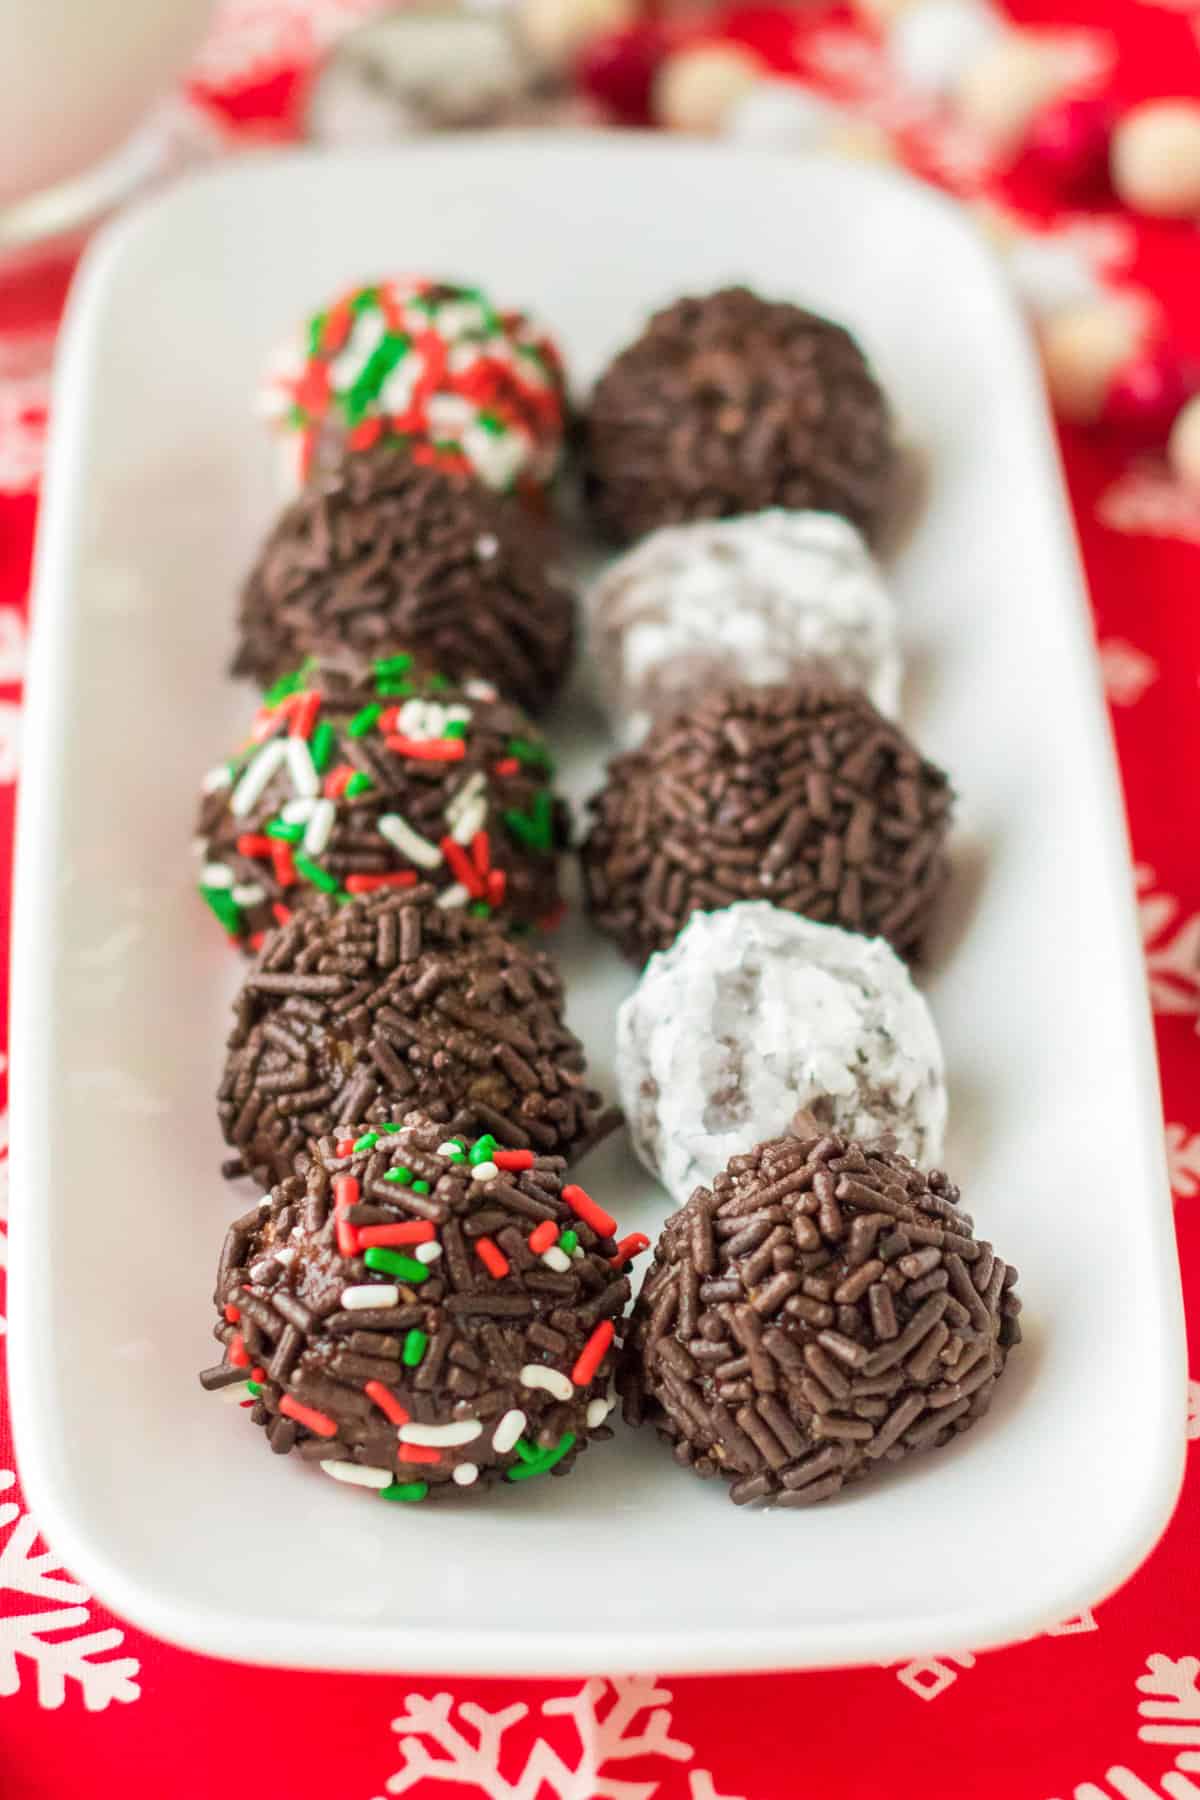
column 77, row 78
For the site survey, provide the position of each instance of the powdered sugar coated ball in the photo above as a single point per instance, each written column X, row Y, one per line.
column 757, row 598
column 755, row 1015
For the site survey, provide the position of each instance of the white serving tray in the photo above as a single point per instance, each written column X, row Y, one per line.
column 166, row 1501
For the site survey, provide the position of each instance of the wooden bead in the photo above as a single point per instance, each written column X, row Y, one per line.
column 1001, row 92
column 1183, row 446
column 1155, row 158
column 1083, row 347
column 696, row 89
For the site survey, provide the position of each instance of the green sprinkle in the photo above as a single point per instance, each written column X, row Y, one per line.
column 532, row 755
column 437, row 683
column 457, row 728
column 414, row 1347
column 392, row 348
column 390, row 1127
column 528, row 1452
column 400, row 1174
column 393, row 665
column 254, row 1387
column 297, row 418
column 568, row 1242
column 290, row 834
column 392, row 1262
column 364, row 721
column 491, row 424
column 321, row 745
column 420, row 1187
column 534, row 829
column 395, row 687
column 320, row 878
column 225, row 906
column 367, row 1141
column 481, row 909
column 316, row 333
column 365, row 300
column 287, row 684
column 358, row 783
column 525, row 1471
column 483, row 1149
column 405, row 1490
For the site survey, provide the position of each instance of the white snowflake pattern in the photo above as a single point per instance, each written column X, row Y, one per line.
column 929, row 1677
column 614, row 1721
column 37, row 1637
column 1123, row 1784
column 1172, row 947
column 1183, row 1161
column 1127, row 671
column 251, row 40
column 1170, row 1713
column 1146, row 501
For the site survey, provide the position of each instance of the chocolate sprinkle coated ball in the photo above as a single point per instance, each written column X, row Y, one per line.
column 393, row 1002
column 361, row 776
column 823, row 1309
column 419, row 1313
column 805, row 796
column 728, row 404
column 379, row 554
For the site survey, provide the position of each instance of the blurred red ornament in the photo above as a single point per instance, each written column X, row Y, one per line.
column 1146, row 396
column 1068, row 144
column 617, row 70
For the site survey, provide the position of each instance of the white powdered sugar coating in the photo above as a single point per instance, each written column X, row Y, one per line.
column 755, row 1014
column 758, row 598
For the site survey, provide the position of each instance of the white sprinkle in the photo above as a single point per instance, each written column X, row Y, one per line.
column 410, row 843
column 413, row 719
column 249, row 893
column 354, row 1299
column 216, row 875
column 471, row 819
column 466, row 1473
column 437, row 1437
column 484, row 1171
column 296, row 812
column 480, row 690
column 474, row 784
column 359, row 1474
column 598, row 1411
column 556, row 1259
column 302, row 769
column 235, row 1391
column 216, row 779
column 428, row 1253
column 486, row 546
column 249, row 789
column 535, row 1375
column 287, row 1256
column 320, row 825
column 449, row 1148
column 457, row 714
column 452, row 897
column 261, row 1270
column 508, row 1431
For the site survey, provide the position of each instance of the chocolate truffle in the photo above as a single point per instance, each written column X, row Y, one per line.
column 802, row 795
column 728, row 404
column 379, row 554
column 359, row 776
column 823, row 1309
column 360, row 1010
column 763, row 598
column 419, row 1314
column 754, row 1015
column 428, row 365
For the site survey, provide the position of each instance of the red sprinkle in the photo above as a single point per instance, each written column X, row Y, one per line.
column 238, row 1354
column 543, row 1236
column 513, row 1159
column 337, row 781
column 585, row 1208
column 387, row 1403
column 419, row 1231
column 418, row 1453
column 316, row 1421
column 256, row 941
column 389, row 719
column 283, row 914
column 345, row 1195
column 428, row 749
column 592, row 1354
column 492, row 1257
column 304, row 714
column 257, row 1374
column 367, row 433
column 344, row 1146
column 233, row 1313
column 281, row 859
column 462, row 868
column 497, row 887
column 629, row 1247
column 250, row 844
column 481, row 851
column 368, row 884
column 508, row 765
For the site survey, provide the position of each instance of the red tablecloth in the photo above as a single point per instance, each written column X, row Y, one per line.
column 1105, row 1706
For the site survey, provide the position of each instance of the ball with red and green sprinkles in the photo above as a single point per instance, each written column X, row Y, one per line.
column 359, row 776
column 422, row 1316
column 429, row 364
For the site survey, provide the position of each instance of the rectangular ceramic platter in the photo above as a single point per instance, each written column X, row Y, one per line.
column 165, row 1500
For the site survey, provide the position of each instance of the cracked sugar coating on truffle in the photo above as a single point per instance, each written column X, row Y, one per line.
column 801, row 795
column 754, row 1015
column 379, row 554
column 359, row 776
column 761, row 598
column 823, row 1309
column 418, row 1313
column 431, row 365
column 728, row 404
column 393, row 1002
